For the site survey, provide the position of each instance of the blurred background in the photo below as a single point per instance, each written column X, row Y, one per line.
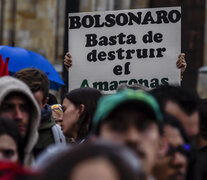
column 41, row 26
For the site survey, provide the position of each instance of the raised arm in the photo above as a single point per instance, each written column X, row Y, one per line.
column 181, row 63
column 67, row 61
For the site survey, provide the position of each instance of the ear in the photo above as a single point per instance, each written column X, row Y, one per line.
column 82, row 108
column 46, row 100
column 163, row 146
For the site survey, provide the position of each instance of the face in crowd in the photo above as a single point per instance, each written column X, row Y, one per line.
column 39, row 96
column 78, row 109
column 190, row 122
column 135, row 130
column 38, row 83
column 16, row 108
column 181, row 103
column 8, row 148
column 133, row 122
column 173, row 165
column 10, row 141
column 71, row 115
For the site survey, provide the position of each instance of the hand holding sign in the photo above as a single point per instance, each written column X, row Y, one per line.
column 180, row 64
column 67, row 61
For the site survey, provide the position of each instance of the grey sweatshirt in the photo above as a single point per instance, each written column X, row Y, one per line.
column 9, row 85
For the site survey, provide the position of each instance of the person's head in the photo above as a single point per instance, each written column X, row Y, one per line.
column 18, row 103
column 78, row 109
column 131, row 118
column 52, row 99
column 181, row 103
column 16, row 107
column 200, row 170
column 10, row 141
column 99, row 161
column 203, row 119
column 37, row 81
column 57, row 113
column 173, row 166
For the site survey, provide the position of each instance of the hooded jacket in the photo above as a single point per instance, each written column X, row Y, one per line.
column 9, row 85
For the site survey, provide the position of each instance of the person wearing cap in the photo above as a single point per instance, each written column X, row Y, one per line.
column 131, row 118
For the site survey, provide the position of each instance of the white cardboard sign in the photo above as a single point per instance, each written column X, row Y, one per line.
column 112, row 48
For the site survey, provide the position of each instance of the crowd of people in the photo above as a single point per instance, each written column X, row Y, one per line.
column 133, row 134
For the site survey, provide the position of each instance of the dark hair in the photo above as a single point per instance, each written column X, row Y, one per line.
column 52, row 99
column 9, row 127
column 186, row 99
column 89, row 97
column 203, row 118
column 36, row 79
column 174, row 122
column 22, row 96
column 124, row 161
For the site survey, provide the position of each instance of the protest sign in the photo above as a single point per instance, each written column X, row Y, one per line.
column 112, row 48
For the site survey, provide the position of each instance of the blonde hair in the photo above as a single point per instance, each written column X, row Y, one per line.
column 57, row 109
